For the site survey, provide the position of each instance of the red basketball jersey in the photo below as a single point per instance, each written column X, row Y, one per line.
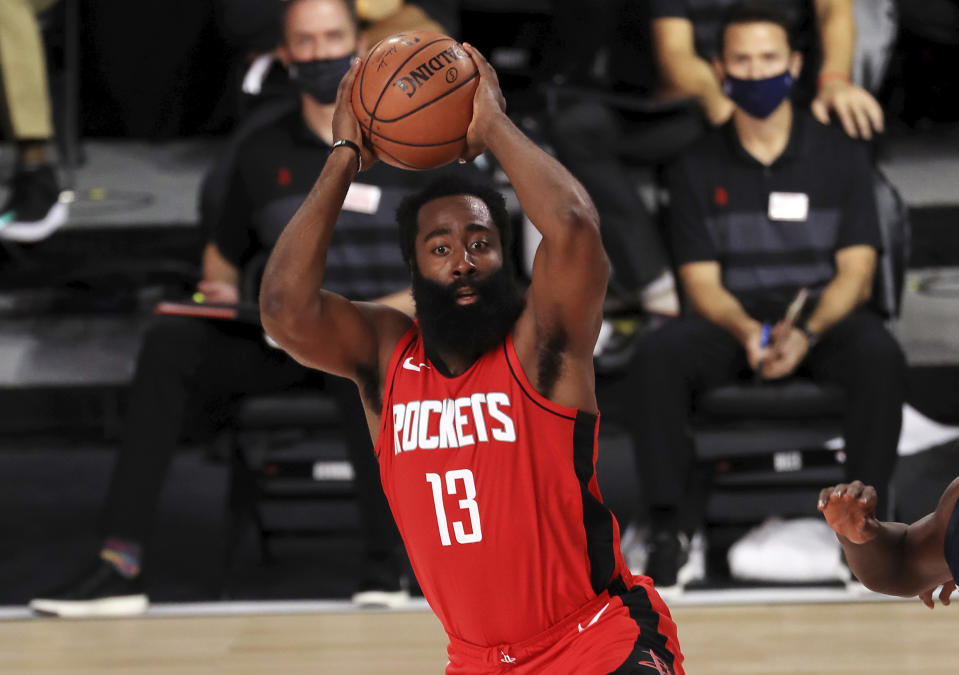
column 494, row 490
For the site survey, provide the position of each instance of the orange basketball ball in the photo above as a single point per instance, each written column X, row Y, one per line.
column 413, row 98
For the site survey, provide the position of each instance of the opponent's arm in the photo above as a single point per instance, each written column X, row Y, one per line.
column 891, row 558
column 319, row 328
column 570, row 268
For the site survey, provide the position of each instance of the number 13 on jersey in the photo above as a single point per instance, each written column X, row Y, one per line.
column 460, row 478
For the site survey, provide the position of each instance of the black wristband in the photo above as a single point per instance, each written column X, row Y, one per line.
column 346, row 143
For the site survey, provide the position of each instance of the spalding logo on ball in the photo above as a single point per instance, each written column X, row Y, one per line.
column 414, row 99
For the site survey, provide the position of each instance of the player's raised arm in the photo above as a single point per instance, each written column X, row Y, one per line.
column 891, row 558
column 570, row 270
column 319, row 328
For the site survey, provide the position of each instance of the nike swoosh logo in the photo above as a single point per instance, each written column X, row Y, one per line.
column 409, row 365
column 594, row 619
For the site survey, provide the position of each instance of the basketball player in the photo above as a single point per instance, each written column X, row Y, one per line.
column 483, row 411
column 894, row 558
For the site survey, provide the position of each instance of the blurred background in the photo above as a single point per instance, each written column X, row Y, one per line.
column 146, row 96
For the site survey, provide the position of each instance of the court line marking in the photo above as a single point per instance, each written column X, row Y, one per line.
column 689, row 598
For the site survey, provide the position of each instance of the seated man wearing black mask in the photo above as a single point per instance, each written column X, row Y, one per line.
column 187, row 363
column 769, row 204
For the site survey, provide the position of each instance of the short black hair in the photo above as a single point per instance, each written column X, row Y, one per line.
column 451, row 184
column 756, row 12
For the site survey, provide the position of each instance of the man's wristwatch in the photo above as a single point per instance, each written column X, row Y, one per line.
column 812, row 337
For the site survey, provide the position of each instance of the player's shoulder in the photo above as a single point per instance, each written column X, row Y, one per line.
column 392, row 327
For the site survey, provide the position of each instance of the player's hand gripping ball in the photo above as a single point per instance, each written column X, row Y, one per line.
column 413, row 99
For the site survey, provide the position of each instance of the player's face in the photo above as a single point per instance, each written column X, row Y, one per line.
column 466, row 299
column 756, row 51
column 318, row 29
column 457, row 243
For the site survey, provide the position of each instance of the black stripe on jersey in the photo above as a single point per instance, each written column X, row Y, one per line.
column 529, row 395
column 399, row 364
column 597, row 519
column 650, row 648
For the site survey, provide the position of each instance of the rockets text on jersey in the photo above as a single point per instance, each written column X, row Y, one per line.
column 452, row 423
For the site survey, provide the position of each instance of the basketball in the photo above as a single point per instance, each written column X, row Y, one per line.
column 413, row 98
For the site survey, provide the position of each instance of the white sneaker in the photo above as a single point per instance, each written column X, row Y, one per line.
column 379, row 598
column 99, row 592
column 632, row 542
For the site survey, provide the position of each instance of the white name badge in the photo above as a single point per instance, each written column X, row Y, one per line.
column 788, row 206
column 362, row 198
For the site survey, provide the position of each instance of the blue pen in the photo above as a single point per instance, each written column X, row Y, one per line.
column 763, row 343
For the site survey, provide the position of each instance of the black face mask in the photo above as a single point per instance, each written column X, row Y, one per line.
column 469, row 330
column 319, row 78
column 759, row 98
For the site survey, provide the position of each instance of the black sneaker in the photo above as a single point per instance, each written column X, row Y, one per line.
column 668, row 556
column 34, row 209
column 100, row 591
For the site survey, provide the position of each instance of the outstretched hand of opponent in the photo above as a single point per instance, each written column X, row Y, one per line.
column 850, row 510
column 889, row 557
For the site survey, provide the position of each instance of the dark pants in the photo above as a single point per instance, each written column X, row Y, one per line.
column 193, row 363
column 691, row 355
column 597, row 143
column 587, row 137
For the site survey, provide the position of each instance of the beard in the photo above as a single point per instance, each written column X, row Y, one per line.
column 468, row 330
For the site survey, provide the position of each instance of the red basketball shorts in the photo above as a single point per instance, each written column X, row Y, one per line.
column 628, row 632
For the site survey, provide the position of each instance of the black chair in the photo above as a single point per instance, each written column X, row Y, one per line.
column 290, row 476
column 762, row 447
column 290, row 473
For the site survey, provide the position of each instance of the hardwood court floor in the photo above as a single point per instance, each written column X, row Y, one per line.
column 876, row 637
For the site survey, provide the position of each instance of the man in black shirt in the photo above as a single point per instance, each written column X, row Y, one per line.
column 187, row 363
column 771, row 203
